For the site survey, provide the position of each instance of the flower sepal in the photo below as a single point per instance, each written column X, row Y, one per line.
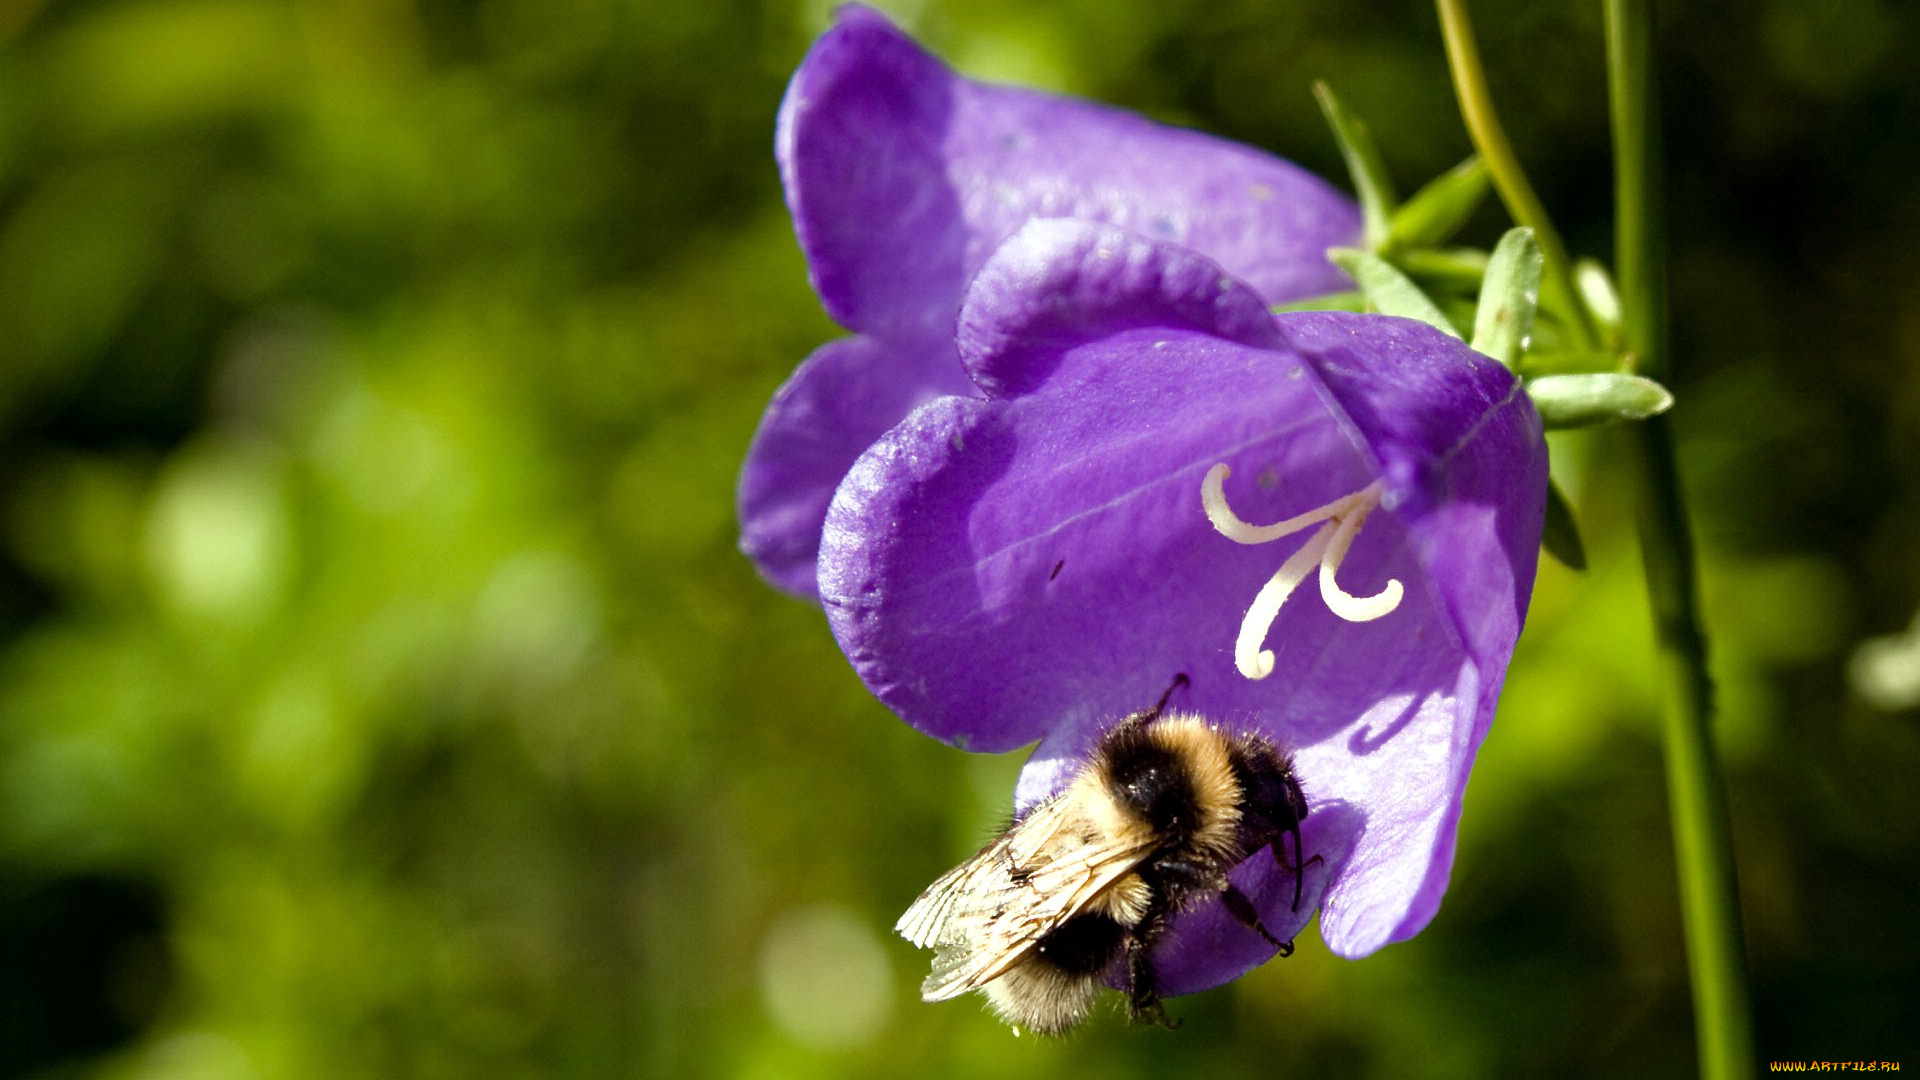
column 1603, row 397
column 1389, row 291
column 1432, row 215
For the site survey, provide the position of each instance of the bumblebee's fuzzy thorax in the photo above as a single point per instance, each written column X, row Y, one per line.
column 1171, row 780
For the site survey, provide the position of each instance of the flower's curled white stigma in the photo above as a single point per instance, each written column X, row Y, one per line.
column 1213, row 496
column 1253, row 661
column 1338, row 600
column 1339, row 522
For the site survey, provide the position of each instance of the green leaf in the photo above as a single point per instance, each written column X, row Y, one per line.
column 1370, row 181
column 1560, row 535
column 1388, row 290
column 1437, row 211
column 1540, row 361
column 1509, row 296
column 1350, row 300
column 1452, row 269
column 1571, row 401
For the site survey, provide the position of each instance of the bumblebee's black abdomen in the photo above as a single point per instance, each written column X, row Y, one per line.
column 1083, row 945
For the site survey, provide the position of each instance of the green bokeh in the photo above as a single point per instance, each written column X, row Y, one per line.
column 381, row 693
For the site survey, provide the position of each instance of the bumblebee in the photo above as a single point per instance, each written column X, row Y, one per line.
column 1077, row 890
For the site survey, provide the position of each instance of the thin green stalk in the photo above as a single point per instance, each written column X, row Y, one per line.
column 1696, row 792
column 1490, row 140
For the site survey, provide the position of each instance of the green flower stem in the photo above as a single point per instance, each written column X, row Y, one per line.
column 1703, row 844
column 1490, row 140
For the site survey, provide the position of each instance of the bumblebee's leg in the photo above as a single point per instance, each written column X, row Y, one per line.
column 1179, row 680
column 1243, row 910
column 1143, row 1000
column 1148, row 716
column 1299, row 871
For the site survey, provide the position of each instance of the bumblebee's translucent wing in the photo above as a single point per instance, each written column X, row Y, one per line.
column 990, row 872
column 922, row 922
column 984, row 915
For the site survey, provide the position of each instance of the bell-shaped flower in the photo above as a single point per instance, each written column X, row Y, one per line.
column 902, row 177
column 1033, row 564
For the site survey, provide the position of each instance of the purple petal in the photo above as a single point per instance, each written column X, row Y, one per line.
column 1037, row 294
column 1473, row 497
column 842, row 398
column 902, row 177
column 1034, row 565
column 859, row 142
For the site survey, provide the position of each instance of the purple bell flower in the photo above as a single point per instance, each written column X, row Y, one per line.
column 1034, row 563
column 902, row 177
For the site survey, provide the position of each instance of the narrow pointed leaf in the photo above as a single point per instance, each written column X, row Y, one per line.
column 1541, row 361
column 1444, row 269
column 1509, row 295
column 1561, row 535
column 1571, row 401
column 1388, row 290
column 1438, row 210
column 1370, row 181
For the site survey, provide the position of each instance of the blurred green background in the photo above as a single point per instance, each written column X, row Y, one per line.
column 381, row 693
